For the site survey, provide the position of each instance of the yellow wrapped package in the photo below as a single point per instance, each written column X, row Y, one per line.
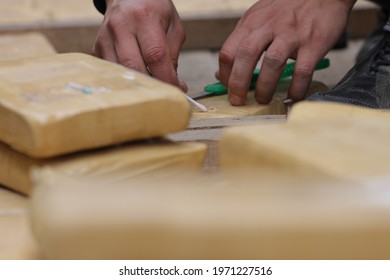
column 70, row 102
column 151, row 160
column 208, row 218
column 347, row 143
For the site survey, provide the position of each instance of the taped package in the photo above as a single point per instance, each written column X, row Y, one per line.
column 70, row 102
column 16, row 239
column 151, row 160
column 208, row 218
column 347, row 143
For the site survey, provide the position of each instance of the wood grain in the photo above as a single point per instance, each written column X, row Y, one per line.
column 219, row 106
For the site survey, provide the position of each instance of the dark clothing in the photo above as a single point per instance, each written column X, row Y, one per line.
column 100, row 5
column 382, row 3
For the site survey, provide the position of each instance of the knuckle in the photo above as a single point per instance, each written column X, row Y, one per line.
column 155, row 55
column 236, row 85
column 113, row 23
column 100, row 46
column 130, row 63
column 226, row 57
column 181, row 34
column 247, row 51
column 303, row 72
column 141, row 11
column 274, row 60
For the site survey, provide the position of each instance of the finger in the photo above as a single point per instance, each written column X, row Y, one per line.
column 303, row 74
column 175, row 40
column 247, row 55
column 272, row 67
column 227, row 55
column 104, row 47
column 156, row 54
column 126, row 46
column 129, row 53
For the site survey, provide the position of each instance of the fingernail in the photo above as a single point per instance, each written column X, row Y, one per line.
column 236, row 100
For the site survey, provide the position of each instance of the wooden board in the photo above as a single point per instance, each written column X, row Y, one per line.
column 210, row 218
column 72, row 25
column 32, row 44
column 19, row 13
column 219, row 106
column 209, row 131
column 207, row 127
column 349, row 147
column 70, row 102
column 16, row 239
column 148, row 159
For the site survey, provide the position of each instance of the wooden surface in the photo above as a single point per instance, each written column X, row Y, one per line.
column 209, row 131
column 45, row 114
column 72, row 25
column 219, row 106
column 210, row 218
column 23, row 45
column 207, row 127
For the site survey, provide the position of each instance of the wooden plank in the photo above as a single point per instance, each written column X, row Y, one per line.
column 72, row 25
column 209, row 131
column 219, row 106
column 24, row 45
column 207, row 127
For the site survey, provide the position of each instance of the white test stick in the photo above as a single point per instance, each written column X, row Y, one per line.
column 200, row 106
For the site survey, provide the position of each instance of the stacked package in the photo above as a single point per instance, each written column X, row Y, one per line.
column 77, row 113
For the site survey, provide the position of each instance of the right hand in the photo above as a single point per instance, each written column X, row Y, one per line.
column 304, row 30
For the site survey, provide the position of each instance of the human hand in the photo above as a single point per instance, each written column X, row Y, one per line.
column 144, row 35
column 304, row 30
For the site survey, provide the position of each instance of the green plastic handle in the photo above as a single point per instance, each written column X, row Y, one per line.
column 219, row 89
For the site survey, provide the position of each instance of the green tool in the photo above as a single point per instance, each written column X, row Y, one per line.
column 219, row 89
